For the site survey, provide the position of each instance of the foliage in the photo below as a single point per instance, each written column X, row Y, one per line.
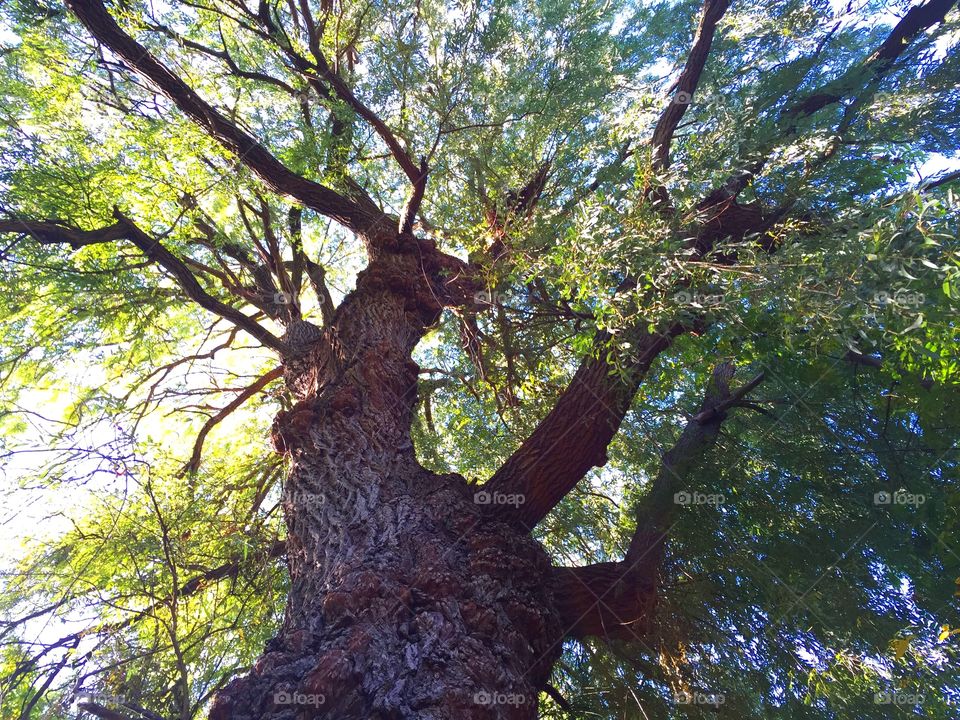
column 800, row 595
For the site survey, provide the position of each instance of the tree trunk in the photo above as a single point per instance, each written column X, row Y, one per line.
column 409, row 598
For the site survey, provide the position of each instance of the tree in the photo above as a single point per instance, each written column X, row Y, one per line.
column 610, row 352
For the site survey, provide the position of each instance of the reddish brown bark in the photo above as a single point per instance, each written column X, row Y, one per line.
column 408, row 598
column 574, row 436
column 614, row 600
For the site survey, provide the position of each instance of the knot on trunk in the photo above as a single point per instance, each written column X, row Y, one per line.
column 300, row 336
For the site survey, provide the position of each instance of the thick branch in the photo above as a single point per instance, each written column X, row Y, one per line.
column 861, row 359
column 50, row 233
column 686, row 84
column 616, row 599
column 101, row 711
column 940, row 181
column 573, row 437
column 275, row 174
column 655, row 513
column 719, row 408
column 875, row 361
column 317, row 276
column 608, row 600
column 57, row 233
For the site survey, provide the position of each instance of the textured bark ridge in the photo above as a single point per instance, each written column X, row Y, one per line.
column 408, row 598
column 406, row 603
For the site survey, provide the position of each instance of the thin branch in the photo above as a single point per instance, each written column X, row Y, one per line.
column 917, row 20
column 192, row 586
column 226, row 57
column 412, row 206
column 940, row 181
column 342, row 91
column 163, row 257
column 858, row 83
column 239, row 400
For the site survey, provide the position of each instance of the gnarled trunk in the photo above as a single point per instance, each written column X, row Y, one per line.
column 408, row 599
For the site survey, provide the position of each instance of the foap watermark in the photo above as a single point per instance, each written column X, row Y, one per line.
column 700, row 698
column 697, row 498
column 682, row 97
column 689, row 297
column 86, row 697
column 283, row 298
column 306, row 499
column 900, row 296
column 482, row 697
column 900, row 497
column 650, row 98
column 498, row 498
column 283, row 697
column 491, row 297
column 895, row 697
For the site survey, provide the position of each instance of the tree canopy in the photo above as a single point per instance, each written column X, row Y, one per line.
column 771, row 187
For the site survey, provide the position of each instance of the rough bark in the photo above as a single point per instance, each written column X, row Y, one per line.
column 408, row 599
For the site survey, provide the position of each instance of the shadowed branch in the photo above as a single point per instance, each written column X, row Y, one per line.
column 617, row 599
